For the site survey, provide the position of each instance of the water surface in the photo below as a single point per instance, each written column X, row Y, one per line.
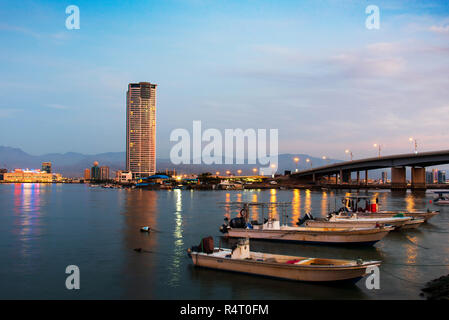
column 44, row 228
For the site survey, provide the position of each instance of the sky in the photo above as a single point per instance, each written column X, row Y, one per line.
column 310, row 69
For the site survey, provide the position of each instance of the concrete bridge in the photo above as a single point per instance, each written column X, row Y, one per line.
column 398, row 163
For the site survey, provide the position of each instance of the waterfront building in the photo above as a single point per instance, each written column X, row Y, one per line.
column 141, row 129
column 46, row 166
column 429, row 177
column 434, row 175
column 384, row 177
column 441, row 176
column 87, row 174
column 104, row 173
column 27, row 175
column 118, row 173
column 95, row 172
column 2, row 171
column 125, row 177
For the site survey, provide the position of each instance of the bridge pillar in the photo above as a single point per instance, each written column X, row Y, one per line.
column 418, row 178
column 358, row 177
column 345, row 177
column 398, row 180
column 366, row 177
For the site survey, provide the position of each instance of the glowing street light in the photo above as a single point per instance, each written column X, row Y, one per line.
column 273, row 166
column 309, row 161
column 255, row 170
column 349, row 152
column 228, row 172
column 376, row 145
column 217, row 173
column 239, row 172
column 325, row 158
column 296, row 159
column 414, row 144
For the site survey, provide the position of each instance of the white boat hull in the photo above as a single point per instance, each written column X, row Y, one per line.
column 367, row 236
column 283, row 270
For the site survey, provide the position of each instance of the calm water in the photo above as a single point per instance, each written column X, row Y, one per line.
column 44, row 228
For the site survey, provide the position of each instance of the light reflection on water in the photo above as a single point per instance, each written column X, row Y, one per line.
column 42, row 224
column 179, row 251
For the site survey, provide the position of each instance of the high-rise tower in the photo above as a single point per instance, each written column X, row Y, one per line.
column 141, row 129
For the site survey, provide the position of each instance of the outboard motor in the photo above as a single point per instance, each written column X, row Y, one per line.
column 237, row 223
column 306, row 217
column 224, row 228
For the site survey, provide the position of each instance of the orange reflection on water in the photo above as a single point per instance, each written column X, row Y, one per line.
column 410, row 202
column 239, row 197
column 255, row 213
column 412, row 249
column 273, row 212
column 296, row 206
column 227, row 209
column 324, row 204
column 308, row 201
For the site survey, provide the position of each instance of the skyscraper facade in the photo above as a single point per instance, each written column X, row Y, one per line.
column 141, row 129
column 104, row 173
column 46, row 166
column 87, row 174
column 95, row 172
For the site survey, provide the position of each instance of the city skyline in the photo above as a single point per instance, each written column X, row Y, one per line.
column 305, row 68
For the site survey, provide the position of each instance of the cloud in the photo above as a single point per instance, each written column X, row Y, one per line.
column 440, row 29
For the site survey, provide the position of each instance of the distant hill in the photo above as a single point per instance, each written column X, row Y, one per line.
column 72, row 164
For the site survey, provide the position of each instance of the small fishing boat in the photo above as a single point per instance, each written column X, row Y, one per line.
column 412, row 224
column 242, row 260
column 352, row 220
column 442, row 199
column 273, row 229
column 351, row 205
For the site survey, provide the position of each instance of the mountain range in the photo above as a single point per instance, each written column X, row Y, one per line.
column 72, row 164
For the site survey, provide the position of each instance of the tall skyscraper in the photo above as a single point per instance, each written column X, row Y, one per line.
column 141, row 129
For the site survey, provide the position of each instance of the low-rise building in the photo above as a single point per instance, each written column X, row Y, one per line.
column 27, row 175
column 124, row 177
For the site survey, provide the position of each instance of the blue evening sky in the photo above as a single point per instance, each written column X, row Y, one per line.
column 309, row 68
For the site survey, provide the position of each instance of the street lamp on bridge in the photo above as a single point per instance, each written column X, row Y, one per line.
column 377, row 145
column 308, row 160
column 296, row 159
column 349, row 152
column 414, row 144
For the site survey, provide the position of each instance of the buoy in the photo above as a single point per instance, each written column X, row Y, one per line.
column 145, row 229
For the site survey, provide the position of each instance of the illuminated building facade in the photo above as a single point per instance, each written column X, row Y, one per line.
column 87, row 174
column 26, row 175
column 141, row 129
